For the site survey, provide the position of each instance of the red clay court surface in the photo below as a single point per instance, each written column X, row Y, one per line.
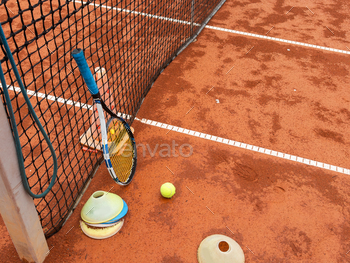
column 278, row 96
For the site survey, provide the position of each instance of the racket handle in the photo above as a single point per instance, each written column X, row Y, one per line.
column 83, row 66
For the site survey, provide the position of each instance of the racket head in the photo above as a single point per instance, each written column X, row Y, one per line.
column 122, row 152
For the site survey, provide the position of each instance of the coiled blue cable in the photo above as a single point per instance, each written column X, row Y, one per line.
column 14, row 125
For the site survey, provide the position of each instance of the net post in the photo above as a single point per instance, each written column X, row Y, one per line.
column 16, row 206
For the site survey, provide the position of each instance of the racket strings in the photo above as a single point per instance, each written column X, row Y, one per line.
column 121, row 151
column 122, row 164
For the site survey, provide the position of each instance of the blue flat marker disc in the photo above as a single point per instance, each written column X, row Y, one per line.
column 119, row 216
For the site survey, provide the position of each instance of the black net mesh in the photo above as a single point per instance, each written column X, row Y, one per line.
column 132, row 40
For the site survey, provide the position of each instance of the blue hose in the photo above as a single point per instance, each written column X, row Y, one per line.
column 14, row 124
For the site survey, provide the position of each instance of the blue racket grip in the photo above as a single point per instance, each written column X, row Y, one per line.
column 85, row 71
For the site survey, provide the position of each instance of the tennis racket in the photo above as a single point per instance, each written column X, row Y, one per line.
column 118, row 143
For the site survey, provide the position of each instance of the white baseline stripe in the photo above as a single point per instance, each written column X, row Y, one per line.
column 278, row 39
column 137, row 13
column 248, row 146
column 197, row 134
column 32, row 93
column 219, row 28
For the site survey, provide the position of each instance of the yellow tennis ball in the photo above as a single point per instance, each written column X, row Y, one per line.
column 167, row 190
column 112, row 131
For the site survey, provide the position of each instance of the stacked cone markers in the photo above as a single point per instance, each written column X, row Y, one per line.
column 102, row 215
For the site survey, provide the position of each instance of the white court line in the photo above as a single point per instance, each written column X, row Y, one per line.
column 137, row 13
column 219, row 28
column 32, row 93
column 198, row 134
column 248, row 147
column 278, row 39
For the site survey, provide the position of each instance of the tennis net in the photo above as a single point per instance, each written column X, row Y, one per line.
column 133, row 40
